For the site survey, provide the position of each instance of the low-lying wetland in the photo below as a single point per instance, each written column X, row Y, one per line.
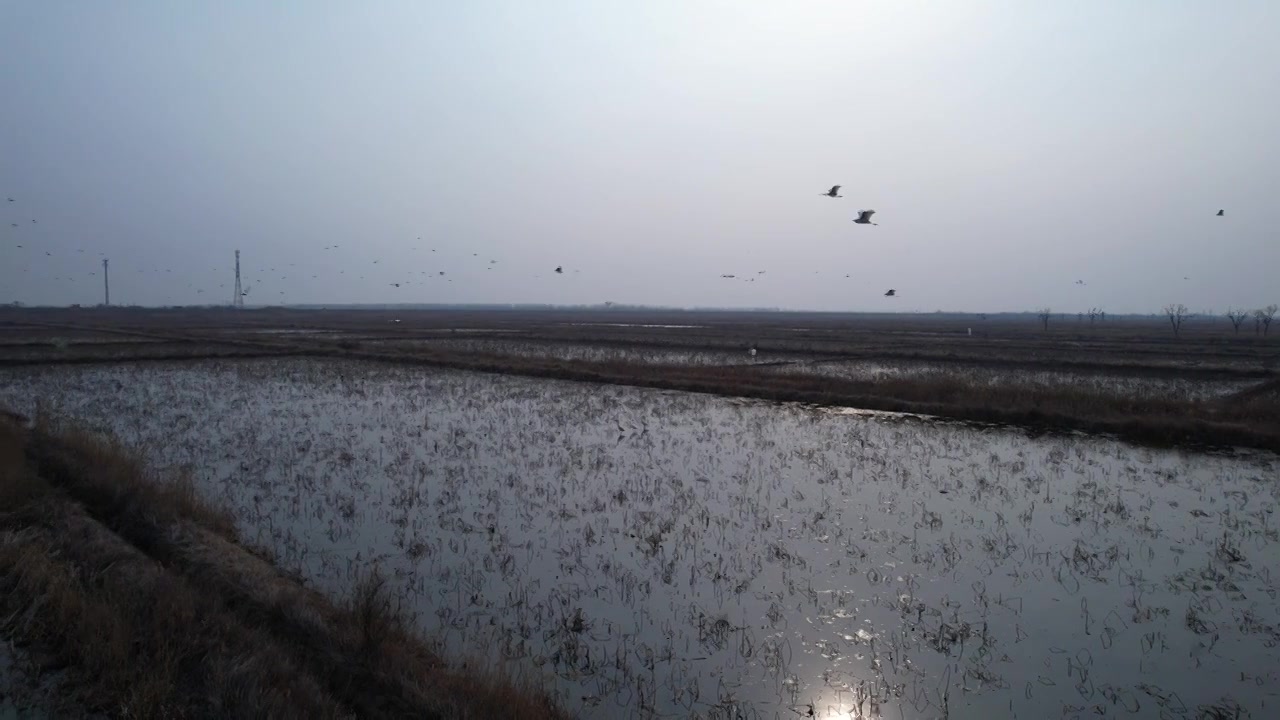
column 657, row 553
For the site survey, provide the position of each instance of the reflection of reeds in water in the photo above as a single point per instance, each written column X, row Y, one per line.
column 726, row 556
column 138, row 586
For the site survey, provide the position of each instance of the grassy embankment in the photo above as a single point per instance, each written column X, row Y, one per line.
column 134, row 593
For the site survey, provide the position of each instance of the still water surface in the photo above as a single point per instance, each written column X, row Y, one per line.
column 664, row 554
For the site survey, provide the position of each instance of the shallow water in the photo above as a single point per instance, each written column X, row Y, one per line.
column 1154, row 387
column 658, row 553
column 587, row 351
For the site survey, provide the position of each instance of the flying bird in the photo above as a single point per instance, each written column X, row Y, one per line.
column 560, row 269
column 832, row 192
column 1080, row 282
column 891, row 293
column 1220, row 212
column 864, row 217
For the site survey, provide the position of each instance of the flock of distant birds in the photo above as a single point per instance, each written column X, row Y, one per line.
column 863, row 218
column 559, row 270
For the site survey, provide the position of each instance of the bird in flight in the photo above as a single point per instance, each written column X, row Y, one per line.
column 891, row 293
column 1079, row 282
column 864, row 217
column 832, row 192
column 1221, row 213
column 560, row 269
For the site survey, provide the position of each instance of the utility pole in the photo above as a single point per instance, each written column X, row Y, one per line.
column 106, row 285
column 238, row 302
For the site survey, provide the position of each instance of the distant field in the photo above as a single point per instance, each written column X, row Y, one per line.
column 1128, row 376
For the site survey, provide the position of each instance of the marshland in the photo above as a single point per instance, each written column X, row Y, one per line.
column 634, row 551
column 839, row 360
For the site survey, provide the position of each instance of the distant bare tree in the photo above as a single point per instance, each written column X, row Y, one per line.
column 1262, row 318
column 1178, row 314
column 1237, row 317
column 1044, row 314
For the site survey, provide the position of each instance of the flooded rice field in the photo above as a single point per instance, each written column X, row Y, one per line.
column 1104, row 383
column 586, row 351
column 659, row 554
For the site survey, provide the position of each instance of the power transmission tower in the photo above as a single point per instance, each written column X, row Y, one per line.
column 106, row 285
column 239, row 299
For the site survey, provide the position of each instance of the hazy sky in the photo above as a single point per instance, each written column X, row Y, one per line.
column 1009, row 149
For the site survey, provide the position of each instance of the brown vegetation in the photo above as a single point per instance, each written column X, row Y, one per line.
column 139, row 589
column 1205, row 348
column 1246, row 421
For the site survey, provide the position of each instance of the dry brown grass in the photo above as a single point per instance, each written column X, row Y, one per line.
column 139, row 586
column 138, row 641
